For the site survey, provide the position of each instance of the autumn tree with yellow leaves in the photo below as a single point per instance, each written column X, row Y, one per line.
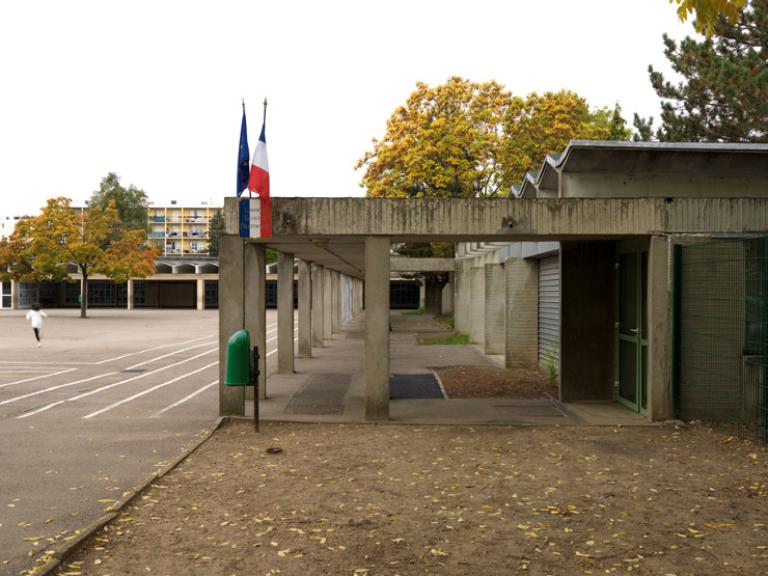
column 469, row 139
column 42, row 247
column 707, row 12
column 464, row 139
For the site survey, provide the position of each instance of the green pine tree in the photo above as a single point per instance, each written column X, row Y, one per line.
column 723, row 95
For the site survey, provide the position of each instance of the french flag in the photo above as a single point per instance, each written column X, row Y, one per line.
column 258, row 179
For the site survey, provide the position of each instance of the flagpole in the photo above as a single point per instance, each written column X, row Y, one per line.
column 250, row 195
column 265, row 111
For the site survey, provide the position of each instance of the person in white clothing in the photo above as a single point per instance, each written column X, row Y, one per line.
column 35, row 317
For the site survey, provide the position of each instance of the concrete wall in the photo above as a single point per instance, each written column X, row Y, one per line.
column 690, row 184
column 587, row 333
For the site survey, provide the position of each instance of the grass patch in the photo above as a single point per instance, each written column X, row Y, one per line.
column 454, row 339
column 417, row 312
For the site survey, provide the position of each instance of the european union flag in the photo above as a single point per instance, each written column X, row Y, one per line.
column 243, row 158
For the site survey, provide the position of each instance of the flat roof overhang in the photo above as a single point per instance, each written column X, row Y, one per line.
column 332, row 231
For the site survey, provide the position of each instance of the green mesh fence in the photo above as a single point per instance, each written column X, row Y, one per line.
column 721, row 336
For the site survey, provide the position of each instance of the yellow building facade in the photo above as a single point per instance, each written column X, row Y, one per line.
column 180, row 230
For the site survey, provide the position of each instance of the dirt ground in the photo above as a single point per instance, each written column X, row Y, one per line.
column 386, row 500
column 493, row 382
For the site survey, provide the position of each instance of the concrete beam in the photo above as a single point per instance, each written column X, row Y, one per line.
column 285, row 313
column 376, row 328
column 402, row 264
column 497, row 219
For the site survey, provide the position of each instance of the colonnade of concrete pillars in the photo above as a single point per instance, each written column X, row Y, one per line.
column 327, row 299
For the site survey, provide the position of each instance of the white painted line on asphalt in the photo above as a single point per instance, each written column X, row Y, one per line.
column 275, row 350
column 186, row 398
column 147, row 391
column 27, row 369
column 36, row 377
column 108, row 386
column 154, row 348
column 169, row 354
column 52, row 388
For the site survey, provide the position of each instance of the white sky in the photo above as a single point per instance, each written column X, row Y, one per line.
column 151, row 90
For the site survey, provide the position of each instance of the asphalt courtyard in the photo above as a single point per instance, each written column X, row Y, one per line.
column 97, row 409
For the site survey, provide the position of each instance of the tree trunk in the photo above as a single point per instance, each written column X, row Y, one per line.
column 84, row 292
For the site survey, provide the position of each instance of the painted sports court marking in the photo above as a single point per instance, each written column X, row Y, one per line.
column 185, row 399
column 169, row 354
column 147, row 391
column 108, row 386
column 36, row 377
column 52, row 388
column 198, row 391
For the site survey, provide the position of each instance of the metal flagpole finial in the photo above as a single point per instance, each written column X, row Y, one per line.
column 265, row 110
column 243, row 104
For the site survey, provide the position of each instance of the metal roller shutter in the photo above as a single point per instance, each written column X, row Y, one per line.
column 549, row 311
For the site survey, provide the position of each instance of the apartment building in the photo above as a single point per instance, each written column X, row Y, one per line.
column 180, row 230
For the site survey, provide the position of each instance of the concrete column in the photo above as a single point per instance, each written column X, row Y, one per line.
column 521, row 342
column 448, row 293
column 477, row 305
column 335, row 301
column 495, row 309
column 200, row 294
column 376, row 328
column 129, row 294
column 15, row 289
column 231, row 318
column 660, row 339
column 423, row 293
column 305, row 310
column 318, row 282
column 255, row 273
column 327, row 307
column 463, row 298
column 285, row 313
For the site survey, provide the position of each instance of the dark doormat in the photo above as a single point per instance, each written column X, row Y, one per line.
column 414, row 386
column 321, row 394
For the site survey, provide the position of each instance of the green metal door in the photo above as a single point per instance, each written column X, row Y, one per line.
column 632, row 324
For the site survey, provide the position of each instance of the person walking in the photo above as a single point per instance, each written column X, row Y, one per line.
column 35, row 317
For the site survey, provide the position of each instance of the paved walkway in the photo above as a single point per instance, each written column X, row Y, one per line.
column 329, row 387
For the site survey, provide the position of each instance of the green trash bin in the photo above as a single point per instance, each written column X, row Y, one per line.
column 239, row 359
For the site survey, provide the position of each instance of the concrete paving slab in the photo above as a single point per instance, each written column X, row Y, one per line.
column 341, row 359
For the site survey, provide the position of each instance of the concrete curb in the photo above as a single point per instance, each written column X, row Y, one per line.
column 60, row 554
